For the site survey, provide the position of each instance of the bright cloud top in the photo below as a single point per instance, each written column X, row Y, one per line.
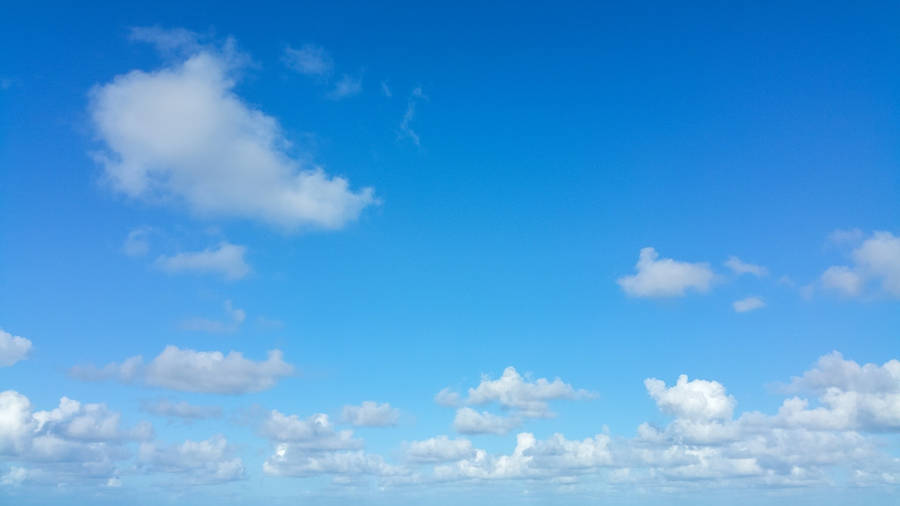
column 181, row 133
column 665, row 277
column 12, row 348
column 877, row 259
column 195, row 371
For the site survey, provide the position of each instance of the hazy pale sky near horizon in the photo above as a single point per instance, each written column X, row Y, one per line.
column 566, row 253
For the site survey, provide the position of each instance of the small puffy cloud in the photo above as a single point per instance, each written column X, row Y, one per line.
column 447, row 397
column 439, row 449
column 740, row 267
column 195, row 371
column 198, row 462
column 235, row 317
column 315, row 432
column 12, row 348
column 665, row 277
column 370, row 414
column 842, row 279
column 182, row 409
column 469, row 421
column 180, row 134
column 346, row 86
column 310, row 59
column 527, row 398
column 226, row 260
column 693, row 400
column 877, row 258
column 748, row 304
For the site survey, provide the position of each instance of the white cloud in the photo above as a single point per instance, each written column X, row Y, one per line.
column 226, row 260
column 199, row 462
column 876, row 258
column 527, row 398
column 370, row 414
column 842, row 279
column 346, row 86
column 310, row 59
column 693, row 400
column 405, row 127
column 195, row 371
column 665, row 277
column 12, row 348
column 236, row 317
column 439, row 449
column 181, row 134
column 740, row 267
column 137, row 242
column 846, row 236
column 469, row 421
column 14, row 477
column 748, row 304
column 447, row 397
column 182, row 409
column 313, row 433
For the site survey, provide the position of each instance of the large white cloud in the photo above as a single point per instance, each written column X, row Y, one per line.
column 195, row 371
column 664, row 277
column 12, row 348
column 180, row 133
column 694, row 400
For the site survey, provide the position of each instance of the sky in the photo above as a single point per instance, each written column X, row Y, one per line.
column 555, row 253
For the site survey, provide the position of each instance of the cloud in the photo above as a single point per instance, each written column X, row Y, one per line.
column 370, row 414
column 748, row 304
column 740, row 267
column 345, row 87
column 406, row 130
column 313, row 433
column 195, row 371
column 180, row 134
column 693, row 400
column 310, row 59
column 198, row 462
column 447, row 397
column 137, row 243
column 665, row 277
column 876, row 258
column 183, row 410
column 12, row 348
column 439, row 449
column 226, row 260
column 527, row 398
column 235, row 317
column 469, row 421
column 386, row 90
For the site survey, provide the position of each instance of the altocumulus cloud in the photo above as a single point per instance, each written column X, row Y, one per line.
column 195, row 371
column 181, row 133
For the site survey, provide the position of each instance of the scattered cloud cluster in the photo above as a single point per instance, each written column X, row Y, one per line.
column 198, row 462
column 194, row 371
column 12, row 348
column 181, row 133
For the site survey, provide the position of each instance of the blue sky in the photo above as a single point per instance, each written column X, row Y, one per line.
column 387, row 255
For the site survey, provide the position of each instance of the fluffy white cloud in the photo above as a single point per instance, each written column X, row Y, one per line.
column 182, row 409
column 664, row 277
column 195, row 371
column 748, row 304
column 370, row 414
column 313, row 433
column 439, row 449
column 235, row 317
column 226, row 260
column 740, row 267
column 12, row 348
column 469, row 421
column 198, row 462
column 181, row 133
column 693, row 400
column 310, row 60
column 876, row 258
column 527, row 398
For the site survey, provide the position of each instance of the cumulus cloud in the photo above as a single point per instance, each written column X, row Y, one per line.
column 226, row 260
column 370, row 414
column 181, row 134
column 439, row 449
column 469, row 421
column 181, row 409
column 447, row 397
column 748, row 304
column 197, row 462
column 739, row 267
column 526, row 398
column 876, row 259
column 315, row 432
column 310, row 59
column 12, row 348
column 235, row 317
column 664, row 277
column 195, row 371
column 693, row 400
